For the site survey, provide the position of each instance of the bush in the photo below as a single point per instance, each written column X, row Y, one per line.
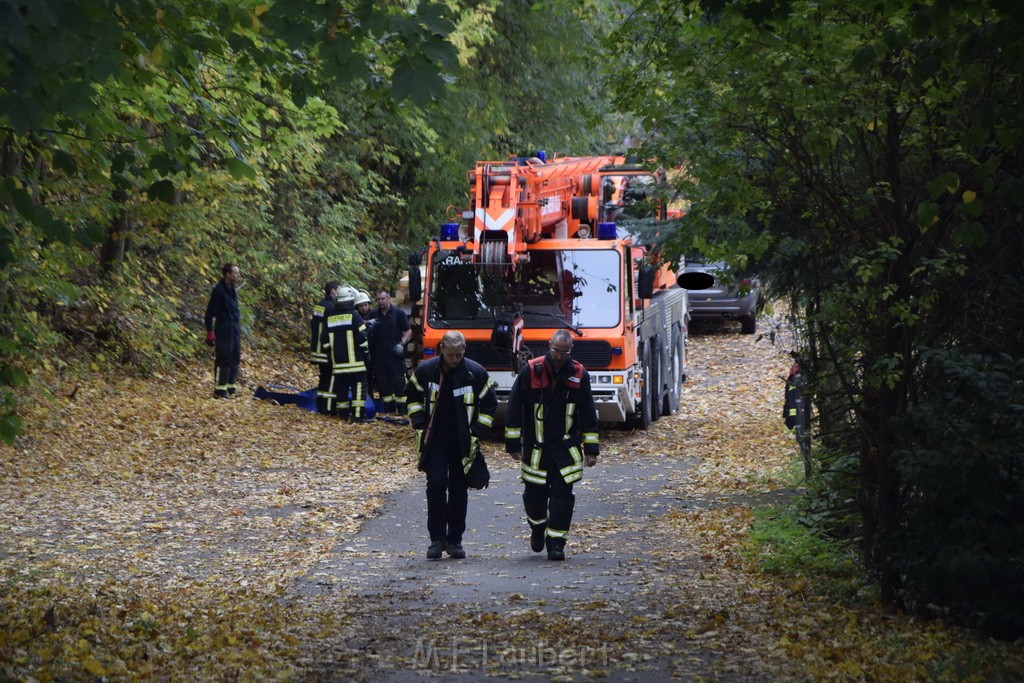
column 962, row 541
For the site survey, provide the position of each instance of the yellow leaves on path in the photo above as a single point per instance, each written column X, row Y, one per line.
column 148, row 531
column 154, row 520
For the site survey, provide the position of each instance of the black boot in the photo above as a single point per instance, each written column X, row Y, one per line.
column 556, row 549
column 435, row 550
column 537, row 537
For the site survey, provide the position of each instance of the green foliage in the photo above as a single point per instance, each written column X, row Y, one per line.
column 116, row 122
column 867, row 161
column 143, row 144
column 782, row 544
column 540, row 78
column 962, row 544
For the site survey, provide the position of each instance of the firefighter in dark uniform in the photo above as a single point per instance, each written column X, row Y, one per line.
column 795, row 410
column 346, row 334
column 363, row 305
column 319, row 350
column 451, row 403
column 224, row 331
column 391, row 333
column 551, row 429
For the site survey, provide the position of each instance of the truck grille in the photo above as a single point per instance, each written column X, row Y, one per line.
column 592, row 354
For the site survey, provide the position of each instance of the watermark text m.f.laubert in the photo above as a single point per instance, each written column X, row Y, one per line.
column 461, row 654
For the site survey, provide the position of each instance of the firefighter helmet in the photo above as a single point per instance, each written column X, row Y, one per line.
column 347, row 296
column 362, row 297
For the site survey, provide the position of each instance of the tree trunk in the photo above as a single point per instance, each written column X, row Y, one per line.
column 880, row 490
column 116, row 243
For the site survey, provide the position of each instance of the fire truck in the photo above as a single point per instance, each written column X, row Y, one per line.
column 542, row 247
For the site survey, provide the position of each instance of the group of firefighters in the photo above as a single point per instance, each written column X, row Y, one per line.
column 357, row 349
column 550, row 421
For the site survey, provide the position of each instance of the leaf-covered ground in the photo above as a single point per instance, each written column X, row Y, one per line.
column 149, row 531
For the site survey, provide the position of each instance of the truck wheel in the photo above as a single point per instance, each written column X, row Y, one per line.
column 642, row 418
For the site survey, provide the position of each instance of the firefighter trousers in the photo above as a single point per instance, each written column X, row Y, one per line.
column 447, row 491
column 389, row 376
column 550, row 505
column 227, row 357
column 325, row 396
column 350, row 388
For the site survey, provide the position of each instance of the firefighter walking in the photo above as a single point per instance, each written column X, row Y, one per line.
column 320, row 350
column 224, row 331
column 551, row 429
column 451, row 403
column 346, row 334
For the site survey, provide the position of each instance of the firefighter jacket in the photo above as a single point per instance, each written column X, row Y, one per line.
column 544, row 408
column 346, row 335
column 475, row 403
column 318, row 343
column 222, row 313
column 796, row 409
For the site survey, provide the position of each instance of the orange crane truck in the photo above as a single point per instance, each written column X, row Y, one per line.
column 539, row 249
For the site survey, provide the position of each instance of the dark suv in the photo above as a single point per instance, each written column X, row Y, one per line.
column 713, row 292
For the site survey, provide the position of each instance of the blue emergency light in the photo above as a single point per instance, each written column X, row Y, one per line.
column 449, row 232
column 606, row 231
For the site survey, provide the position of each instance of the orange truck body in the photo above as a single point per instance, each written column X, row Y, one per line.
column 538, row 249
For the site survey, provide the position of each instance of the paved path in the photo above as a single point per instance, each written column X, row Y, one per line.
column 389, row 553
column 386, row 562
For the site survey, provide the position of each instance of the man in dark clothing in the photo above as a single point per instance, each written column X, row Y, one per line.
column 319, row 349
column 391, row 333
column 451, row 403
column 346, row 335
column 224, row 331
column 551, row 429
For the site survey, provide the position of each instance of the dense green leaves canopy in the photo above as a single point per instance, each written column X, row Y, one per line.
column 867, row 160
column 144, row 143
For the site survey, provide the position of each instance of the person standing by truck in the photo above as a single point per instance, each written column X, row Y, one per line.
column 224, row 331
column 391, row 333
column 551, row 430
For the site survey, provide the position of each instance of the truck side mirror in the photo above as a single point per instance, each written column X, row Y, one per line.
column 645, row 282
column 415, row 284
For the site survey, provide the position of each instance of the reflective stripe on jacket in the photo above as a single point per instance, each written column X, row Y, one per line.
column 473, row 389
column 542, row 406
column 319, row 347
column 346, row 335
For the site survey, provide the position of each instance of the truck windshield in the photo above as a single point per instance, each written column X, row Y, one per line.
column 557, row 288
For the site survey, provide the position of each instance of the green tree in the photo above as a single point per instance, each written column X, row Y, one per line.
column 868, row 160
column 112, row 112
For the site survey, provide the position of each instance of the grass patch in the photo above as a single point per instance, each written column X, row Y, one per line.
column 780, row 545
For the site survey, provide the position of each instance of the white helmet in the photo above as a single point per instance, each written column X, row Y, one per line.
column 347, row 296
column 362, row 297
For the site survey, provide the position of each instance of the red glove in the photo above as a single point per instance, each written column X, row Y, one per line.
column 211, row 339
